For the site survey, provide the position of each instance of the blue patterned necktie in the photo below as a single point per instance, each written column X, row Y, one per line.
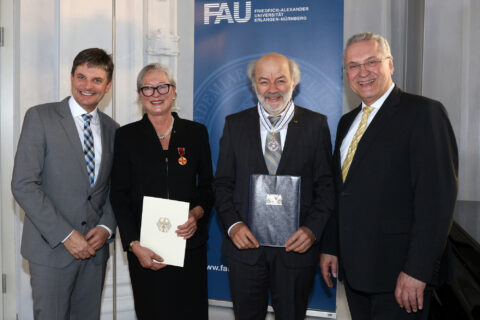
column 273, row 147
column 88, row 149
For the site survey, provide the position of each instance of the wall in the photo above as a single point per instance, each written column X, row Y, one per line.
column 49, row 35
column 8, row 90
column 451, row 74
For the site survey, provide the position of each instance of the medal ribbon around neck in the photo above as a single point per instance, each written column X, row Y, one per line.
column 284, row 120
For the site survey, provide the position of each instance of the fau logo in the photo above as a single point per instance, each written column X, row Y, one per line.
column 220, row 11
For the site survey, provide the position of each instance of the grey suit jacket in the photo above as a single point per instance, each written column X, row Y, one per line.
column 50, row 183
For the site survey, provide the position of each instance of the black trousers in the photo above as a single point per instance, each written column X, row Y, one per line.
column 289, row 288
column 172, row 292
column 382, row 306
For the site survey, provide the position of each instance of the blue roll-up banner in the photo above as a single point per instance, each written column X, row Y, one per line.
column 230, row 34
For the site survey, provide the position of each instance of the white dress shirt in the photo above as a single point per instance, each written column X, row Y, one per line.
column 77, row 112
column 283, row 130
column 353, row 128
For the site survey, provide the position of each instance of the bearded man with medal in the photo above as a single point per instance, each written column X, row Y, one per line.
column 274, row 139
column 167, row 157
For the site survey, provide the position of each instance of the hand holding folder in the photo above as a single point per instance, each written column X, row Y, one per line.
column 274, row 210
column 160, row 218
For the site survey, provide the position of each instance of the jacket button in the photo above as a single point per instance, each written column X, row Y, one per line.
column 84, row 223
column 89, row 198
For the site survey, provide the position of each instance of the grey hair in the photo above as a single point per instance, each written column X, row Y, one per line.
column 365, row 36
column 292, row 65
column 161, row 67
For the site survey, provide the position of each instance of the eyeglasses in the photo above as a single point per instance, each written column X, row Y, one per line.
column 163, row 88
column 369, row 65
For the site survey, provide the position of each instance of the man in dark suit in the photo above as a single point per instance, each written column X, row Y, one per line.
column 395, row 171
column 305, row 151
column 61, row 180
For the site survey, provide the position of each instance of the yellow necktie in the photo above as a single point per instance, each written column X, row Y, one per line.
column 356, row 139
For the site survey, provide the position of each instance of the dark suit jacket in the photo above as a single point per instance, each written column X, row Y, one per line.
column 50, row 182
column 139, row 169
column 307, row 153
column 395, row 208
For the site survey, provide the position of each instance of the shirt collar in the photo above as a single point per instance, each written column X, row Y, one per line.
column 377, row 104
column 77, row 111
column 285, row 116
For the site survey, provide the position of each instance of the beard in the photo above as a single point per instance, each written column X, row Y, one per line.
column 278, row 107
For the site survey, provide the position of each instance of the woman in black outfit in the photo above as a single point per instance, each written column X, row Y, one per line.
column 163, row 156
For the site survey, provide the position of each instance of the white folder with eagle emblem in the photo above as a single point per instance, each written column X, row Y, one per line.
column 160, row 219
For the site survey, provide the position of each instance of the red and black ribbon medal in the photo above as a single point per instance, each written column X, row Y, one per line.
column 182, row 160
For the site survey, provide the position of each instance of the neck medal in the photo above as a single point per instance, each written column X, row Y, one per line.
column 273, row 145
column 182, row 160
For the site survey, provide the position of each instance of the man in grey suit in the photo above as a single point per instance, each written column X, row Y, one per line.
column 61, row 180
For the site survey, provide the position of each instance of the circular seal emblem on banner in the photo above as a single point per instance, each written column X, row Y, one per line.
column 164, row 224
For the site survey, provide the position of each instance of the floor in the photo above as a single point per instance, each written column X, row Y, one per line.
column 226, row 313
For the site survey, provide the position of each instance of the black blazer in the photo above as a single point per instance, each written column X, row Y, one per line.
column 395, row 208
column 307, row 153
column 139, row 169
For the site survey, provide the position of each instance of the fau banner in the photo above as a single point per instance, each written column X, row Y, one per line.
column 230, row 34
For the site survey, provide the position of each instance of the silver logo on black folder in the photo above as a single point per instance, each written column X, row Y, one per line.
column 274, row 200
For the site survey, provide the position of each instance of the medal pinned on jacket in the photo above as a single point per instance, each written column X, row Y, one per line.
column 182, row 160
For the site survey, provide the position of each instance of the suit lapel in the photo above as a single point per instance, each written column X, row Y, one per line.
column 106, row 138
column 253, row 129
column 70, row 129
column 151, row 137
column 293, row 135
column 343, row 127
column 388, row 109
